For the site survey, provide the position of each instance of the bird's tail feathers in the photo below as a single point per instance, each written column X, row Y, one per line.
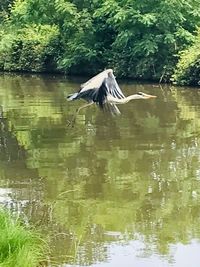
column 72, row 97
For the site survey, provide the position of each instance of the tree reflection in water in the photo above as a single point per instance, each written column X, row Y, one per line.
column 106, row 181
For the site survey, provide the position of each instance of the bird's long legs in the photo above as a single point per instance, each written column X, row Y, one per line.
column 84, row 106
column 73, row 120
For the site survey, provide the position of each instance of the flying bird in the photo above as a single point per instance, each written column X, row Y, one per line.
column 104, row 90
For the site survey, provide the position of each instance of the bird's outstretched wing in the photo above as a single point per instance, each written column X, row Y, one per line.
column 98, row 88
column 94, row 82
column 113, row 87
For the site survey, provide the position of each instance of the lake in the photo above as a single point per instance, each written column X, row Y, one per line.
column 108, row 191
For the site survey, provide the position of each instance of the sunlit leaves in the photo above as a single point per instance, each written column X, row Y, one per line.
column 29, row 49
column 108, row 8
column 148, row 19
column 187, row 71
column 19, row 12
column 157, row 30
column 64, row 7
column 139, row 39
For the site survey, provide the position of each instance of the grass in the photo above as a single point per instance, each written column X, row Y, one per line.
column 19, row 246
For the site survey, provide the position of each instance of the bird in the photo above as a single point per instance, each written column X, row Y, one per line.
column 104, row 90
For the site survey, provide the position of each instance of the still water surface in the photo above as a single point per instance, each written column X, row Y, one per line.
column 109, row 191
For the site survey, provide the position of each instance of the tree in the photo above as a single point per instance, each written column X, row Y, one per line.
column 139, row 39
column 188, row 67
column 149, row 34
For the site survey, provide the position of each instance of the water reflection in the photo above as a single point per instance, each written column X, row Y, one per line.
column 108, row 183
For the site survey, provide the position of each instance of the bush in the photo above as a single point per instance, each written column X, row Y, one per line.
column 188, row 67
column 33, row 48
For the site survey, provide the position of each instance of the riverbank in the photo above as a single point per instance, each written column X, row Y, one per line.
column 19, row 245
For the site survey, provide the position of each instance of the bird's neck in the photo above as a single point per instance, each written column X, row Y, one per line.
column 124, row 100
column 132, row 97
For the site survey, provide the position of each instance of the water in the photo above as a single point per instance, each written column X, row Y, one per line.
column 108, row 191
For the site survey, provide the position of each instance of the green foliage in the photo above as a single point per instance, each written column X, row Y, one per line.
column 80, row 53
column 148, row 35
column 31, row 12
column 188, row 67
column 19, row 247
column 139, row 39
column 4, row 9
column 32, row 48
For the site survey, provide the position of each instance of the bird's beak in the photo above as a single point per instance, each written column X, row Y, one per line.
column 150, row 96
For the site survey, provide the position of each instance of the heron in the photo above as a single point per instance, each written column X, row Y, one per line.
column 104, row 90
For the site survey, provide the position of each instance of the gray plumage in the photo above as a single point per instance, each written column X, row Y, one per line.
column 104, row 90
column 98, row 88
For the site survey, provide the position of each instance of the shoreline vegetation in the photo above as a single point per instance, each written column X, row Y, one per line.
column 19, row 246
column 144, row 40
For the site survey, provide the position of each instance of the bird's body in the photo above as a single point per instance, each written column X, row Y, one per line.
column 103, row 89
column 98, row 88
